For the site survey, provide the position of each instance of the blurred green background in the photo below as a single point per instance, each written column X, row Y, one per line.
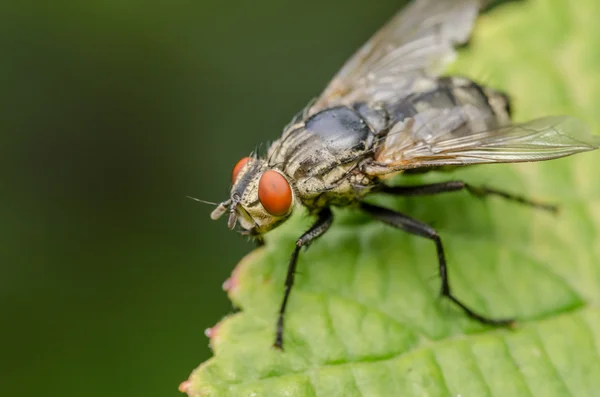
column 111, row 113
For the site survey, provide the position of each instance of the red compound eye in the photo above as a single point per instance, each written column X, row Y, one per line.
column 274, row 193
column 238, row 167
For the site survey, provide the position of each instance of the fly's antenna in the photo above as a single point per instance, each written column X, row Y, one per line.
column 232, row 204
column 202, row 201
column 217, row 212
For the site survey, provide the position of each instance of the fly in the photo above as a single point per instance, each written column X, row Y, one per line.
column 386, row 112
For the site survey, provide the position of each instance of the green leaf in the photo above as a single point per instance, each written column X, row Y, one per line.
column 364, row 318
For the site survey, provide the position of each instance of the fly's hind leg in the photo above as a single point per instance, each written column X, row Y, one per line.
column 418, row 228
column 452, row 186
column 324, row 220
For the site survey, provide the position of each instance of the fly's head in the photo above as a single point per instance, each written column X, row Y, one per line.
column 261, row 197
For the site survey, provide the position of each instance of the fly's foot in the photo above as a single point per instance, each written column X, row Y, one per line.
column 482, row 191
column 497, row 322
column 278, row 344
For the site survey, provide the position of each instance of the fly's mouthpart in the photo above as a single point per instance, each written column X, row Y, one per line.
column 220, row 210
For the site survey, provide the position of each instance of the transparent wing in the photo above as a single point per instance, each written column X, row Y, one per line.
column 542, row 139
column 416, row 42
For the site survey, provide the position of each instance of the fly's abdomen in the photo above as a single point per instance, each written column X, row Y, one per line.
column 455, row 107
column 455, row 103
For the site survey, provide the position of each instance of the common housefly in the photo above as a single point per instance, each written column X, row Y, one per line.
column 389, row 111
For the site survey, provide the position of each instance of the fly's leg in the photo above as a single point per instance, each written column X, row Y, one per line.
column 452, row 186
column 325, row 219
column 418, row 228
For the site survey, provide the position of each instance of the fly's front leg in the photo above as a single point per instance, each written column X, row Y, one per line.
column 452, row 186
column 413, row 226
column 324, row 220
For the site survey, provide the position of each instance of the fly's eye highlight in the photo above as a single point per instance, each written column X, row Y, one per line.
column 238, row 167
column 274, row 193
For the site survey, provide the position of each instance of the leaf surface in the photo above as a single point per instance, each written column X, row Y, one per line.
column 364, row 318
